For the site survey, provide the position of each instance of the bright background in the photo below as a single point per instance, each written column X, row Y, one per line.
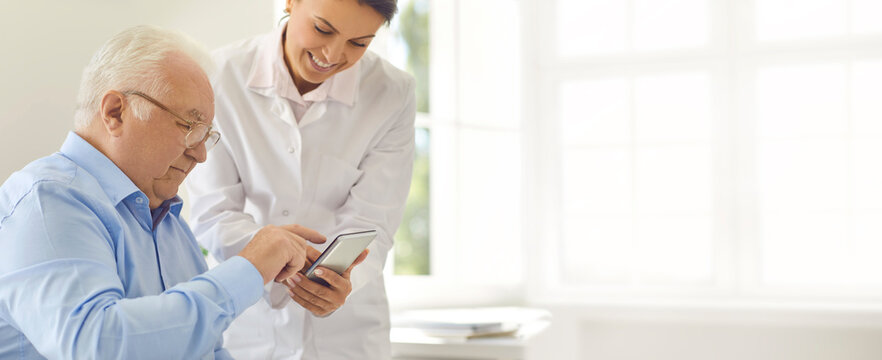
column 673, row 179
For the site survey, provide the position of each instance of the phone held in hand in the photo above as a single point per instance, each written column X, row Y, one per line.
column 341, row 253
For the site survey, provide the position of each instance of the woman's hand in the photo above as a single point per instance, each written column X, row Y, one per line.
column 319, row 299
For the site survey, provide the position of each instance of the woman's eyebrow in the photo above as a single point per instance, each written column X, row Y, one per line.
column 337, row 32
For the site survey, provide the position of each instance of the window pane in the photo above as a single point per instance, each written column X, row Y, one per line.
column 674, row 199
column 673, row 107
column 865, row 16
column 590, row 27
column 802, row 101
column 800, row 175
column 670, row 24
column 489, row 63
column 597, row 250
column 799, row 19
column 412, row 238
column 868, row 175
column 867, row 249
column 597, row 182
column 673, row 179
column 599, row 27
column 489, row 198
column 675, row 249
column 866, row 80
column 804, row 221
column 595, row 112
column 817, row 249
column 804, row 248
column 410, row 47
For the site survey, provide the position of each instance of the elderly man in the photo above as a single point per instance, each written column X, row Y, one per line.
column 96, row 261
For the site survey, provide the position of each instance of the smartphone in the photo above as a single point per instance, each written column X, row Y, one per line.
column 341, row 253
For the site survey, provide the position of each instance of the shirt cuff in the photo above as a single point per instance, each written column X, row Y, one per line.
column 242, row 281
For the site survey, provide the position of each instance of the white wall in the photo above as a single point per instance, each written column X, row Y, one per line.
column 46, row 44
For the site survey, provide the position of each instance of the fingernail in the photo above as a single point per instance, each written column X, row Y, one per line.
column 296, row 278
column 319, row 271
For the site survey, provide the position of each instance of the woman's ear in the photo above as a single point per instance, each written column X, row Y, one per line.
column 113, row 104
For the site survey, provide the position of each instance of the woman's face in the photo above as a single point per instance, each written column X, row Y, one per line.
column 325, row 37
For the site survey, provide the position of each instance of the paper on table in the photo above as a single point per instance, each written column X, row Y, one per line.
column 469, row 322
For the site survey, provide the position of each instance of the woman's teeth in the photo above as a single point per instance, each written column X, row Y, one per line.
column 318, row 62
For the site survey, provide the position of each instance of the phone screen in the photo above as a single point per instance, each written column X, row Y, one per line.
column 341, row 253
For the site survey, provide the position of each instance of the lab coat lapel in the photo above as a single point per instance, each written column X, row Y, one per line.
column 314, row 113
column 282, row 110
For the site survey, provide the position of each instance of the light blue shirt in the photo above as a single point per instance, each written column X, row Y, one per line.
column 85, row 274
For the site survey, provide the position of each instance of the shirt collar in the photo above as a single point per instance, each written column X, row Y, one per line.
column 175, row 204
column 115, row 183
column 172, row 205
column 268, row 72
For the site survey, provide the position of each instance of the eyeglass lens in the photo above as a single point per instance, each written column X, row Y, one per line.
column 199, row 133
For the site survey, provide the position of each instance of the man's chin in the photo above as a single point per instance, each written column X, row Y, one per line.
column 167, row 189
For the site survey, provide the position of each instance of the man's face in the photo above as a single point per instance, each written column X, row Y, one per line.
column 160, row 156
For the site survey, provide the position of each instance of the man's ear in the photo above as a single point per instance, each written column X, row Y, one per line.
column 113, row 104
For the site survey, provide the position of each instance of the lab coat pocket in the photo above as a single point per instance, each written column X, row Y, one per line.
column 335, row 179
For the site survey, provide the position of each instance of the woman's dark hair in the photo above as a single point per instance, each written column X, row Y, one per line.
column 387, row 8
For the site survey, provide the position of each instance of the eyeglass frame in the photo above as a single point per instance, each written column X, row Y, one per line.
column 190, row 123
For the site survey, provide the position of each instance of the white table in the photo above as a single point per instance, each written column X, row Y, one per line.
column 409, row 346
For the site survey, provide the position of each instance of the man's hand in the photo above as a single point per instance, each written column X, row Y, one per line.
column 280, row 251
column 319, row 299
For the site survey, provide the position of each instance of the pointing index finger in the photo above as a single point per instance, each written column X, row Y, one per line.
column 308, row 234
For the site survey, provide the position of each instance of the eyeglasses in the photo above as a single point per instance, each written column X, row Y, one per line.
column 197, row 131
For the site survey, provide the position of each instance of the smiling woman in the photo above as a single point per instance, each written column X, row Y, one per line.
column 318, row 131
column 315, row 49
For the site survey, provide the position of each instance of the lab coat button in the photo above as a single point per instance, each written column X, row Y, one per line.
column 291, row 149
column 285, row 212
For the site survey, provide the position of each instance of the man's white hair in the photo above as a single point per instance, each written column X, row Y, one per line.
column 132, row 60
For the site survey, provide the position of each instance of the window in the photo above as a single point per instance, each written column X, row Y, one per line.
column 708, row 147
column 408, row 46
column 474, row 156
column 412, row 239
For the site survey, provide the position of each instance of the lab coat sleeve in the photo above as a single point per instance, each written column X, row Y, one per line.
column 217, row 198
column 378, row 199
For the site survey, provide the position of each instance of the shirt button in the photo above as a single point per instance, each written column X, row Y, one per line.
column 291, row 149
column 139, row 200
column 285, row 212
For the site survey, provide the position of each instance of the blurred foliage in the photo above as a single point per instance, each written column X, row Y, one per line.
column 412, row 238
column 414, row 27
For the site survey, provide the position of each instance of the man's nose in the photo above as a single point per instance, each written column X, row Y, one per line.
column 198, row 152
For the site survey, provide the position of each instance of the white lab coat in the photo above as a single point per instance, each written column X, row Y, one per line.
column 345, row 166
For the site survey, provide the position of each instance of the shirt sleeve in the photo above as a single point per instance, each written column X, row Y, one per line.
column 62, row 288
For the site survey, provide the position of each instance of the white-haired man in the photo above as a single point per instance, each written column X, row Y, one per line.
column 96, row 262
